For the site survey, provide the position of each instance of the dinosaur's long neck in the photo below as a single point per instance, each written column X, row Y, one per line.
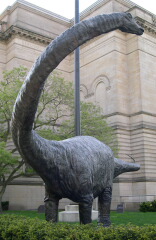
column 27, row 101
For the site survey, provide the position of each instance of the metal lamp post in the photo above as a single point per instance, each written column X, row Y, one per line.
column 77, row 79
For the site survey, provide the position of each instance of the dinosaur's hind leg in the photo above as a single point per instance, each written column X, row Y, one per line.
column 104, row 204
column 85, row 211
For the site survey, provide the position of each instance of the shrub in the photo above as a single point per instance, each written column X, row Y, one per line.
column 148, row 206
column 13, row 227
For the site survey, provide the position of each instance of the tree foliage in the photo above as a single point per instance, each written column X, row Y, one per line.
column 9, row 88
column 10, row 165
column 92, row 124
column 56, row 105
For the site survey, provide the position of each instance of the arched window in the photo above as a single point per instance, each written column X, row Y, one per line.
column 83, row 92
column 101, row 86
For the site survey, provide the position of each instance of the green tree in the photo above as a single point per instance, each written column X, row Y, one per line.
column 10, row 165
column 93, row 124
column 55, row 107
column 9, row 88
column 54, row 119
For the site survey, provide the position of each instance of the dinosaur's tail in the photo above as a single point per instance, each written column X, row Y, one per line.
column 122, row 166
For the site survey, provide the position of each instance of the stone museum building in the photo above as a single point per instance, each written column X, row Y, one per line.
column 117, row 71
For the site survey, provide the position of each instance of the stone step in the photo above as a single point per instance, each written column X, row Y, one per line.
column 72, row 208
column 71, row 214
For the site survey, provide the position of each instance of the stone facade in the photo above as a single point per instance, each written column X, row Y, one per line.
column 117, row 72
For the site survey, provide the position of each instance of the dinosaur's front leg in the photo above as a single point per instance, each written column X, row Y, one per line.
column 85, row 212
column 104, row 204
column 51, row 207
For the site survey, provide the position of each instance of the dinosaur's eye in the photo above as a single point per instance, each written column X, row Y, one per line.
column 129, row 15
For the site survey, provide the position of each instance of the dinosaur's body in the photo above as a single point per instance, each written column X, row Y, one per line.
column 79, row 168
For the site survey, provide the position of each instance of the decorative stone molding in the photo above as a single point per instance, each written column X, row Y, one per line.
column 140, row 126
column 2, row 26
column 89, row 95
column 151, row 28
column 99, row 79
column 2, row 22
column 133, row 179
column 130, row 115
column 93, row 7
column 84, row 89
column 36, row 9
column 127, row 3
column 154, row 20
column 30, row 182
column 17, row 31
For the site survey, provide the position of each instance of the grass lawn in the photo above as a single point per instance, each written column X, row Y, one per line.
column 135, row 218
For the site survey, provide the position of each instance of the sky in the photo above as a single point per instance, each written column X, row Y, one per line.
column 66, row 7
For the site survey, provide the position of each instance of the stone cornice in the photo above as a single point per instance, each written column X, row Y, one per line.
column 148, row 27
column 127, row 3
column 30, row 182
column 135, row 6
column 14, row 31
column 133, row 128
column 65, row 21
column 92, row 8
column 133, row 179
column 36, row 9
column 2, row 22
column 130, row 115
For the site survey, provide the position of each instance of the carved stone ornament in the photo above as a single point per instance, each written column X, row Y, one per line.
column 154, row 20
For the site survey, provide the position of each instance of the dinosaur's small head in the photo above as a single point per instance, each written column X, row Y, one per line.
column 129, row 25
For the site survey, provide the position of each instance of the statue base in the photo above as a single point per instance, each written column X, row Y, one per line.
column 71, row 214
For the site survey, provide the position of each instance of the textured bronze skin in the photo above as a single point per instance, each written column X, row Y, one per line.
column 79, row 168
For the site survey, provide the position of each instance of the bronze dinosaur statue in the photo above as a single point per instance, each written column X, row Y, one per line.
column 80, row 168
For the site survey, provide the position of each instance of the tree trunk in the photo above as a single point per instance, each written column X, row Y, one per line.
column 1, row 195
column 1, row 208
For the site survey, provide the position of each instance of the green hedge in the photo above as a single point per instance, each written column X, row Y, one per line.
column 148, row 206
column 13, row 227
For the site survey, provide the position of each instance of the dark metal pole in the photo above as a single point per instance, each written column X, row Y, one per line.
column 77, row 79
